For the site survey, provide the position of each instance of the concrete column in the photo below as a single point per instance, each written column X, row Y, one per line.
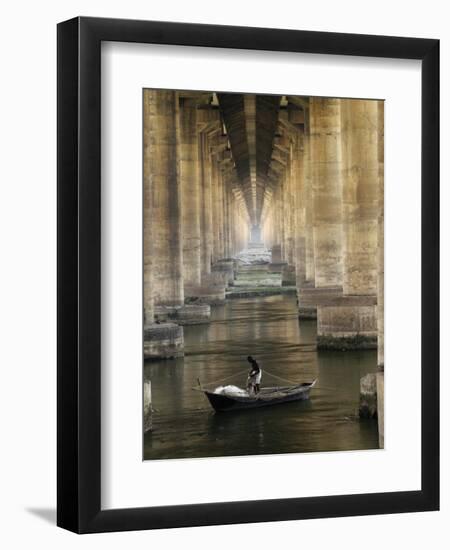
column 201, row 289
column 163, row 280
column 166, row 218
column 288, row 276
column 360, row 196
column 278, row 215
column 309, row 231
column 300, row 210
column 149, row 311
column 208, row 123
column 196, row 309
column 148, row 411
column 326, row 172
column 215, row 202
column 352, row 324
column 380, row 275
column 323, row 182
column 190, row 191
column 205, row 209
column 220, row 213
column 380, row 303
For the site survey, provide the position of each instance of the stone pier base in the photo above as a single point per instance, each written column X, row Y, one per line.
column 347, row 327
column 277, row 267
column 215, row 278
column 309, row 297
column 194, row 314
column 251, row 268
column 189, row 314
column 147, row 406
column 163, row 341
column 307, row 312
column 226, row 269
column 368, row 396
column 380, row 407
column 288, row 276
column 205, row 294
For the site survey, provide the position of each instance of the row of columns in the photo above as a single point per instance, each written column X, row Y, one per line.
column 324, row 216
column 194, row 216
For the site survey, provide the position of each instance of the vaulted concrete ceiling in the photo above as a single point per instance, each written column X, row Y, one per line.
column 251, row 121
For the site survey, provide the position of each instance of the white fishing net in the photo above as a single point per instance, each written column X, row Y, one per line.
column 231, row 391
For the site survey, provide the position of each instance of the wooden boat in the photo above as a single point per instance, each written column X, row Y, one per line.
column 267, row 396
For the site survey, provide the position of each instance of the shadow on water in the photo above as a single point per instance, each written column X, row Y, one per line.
column 185, row 426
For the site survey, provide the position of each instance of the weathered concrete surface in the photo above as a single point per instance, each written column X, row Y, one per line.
column 190, row 191
column 380, row 407
column 307, row 312
column 277, row 267
column 360, row 195
column 380, row 253
column 351, row 325
column 277, row 262
column 276, row 254
column 147, row 420
column 326, row 174
column 163, row 341
column 164, row 225
column 346, row 327
column 309, row 298
column 194, row 314
column 188, row 314
column 310, row 269
column 226, row 269
column 288, row 276
column 380, row 305
column 148, row 212
column 368, row 396
column 205, row 294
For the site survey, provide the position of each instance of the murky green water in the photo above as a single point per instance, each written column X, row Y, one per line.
column 185, row 426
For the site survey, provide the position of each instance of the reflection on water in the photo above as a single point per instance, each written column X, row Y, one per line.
column 185, row 426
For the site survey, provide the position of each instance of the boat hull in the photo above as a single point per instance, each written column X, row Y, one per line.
column 226, row 403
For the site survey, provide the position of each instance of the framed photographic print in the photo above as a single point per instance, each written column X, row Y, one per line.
column 248, row 255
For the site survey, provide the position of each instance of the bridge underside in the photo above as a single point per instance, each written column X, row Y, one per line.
column 301, row 176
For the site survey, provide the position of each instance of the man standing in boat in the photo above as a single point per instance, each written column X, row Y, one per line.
column 254, row 376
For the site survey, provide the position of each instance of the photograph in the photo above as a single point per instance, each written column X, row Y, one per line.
column 263, row 274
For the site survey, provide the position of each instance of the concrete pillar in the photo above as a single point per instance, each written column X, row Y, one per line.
column 190, row 191
column 193, row 202
column 323, row 189
column 360, row 196
column 380, row 277
column 163, row 279
column 149, row 311
column 277, row 263
column 166, row 211
column 368, row 396
column 380, row 407
column 208, row 123
column 288, row 274
column 147, row 406
column 326, row 172
column 298, row 163
column 200, row 288
column 380, row 303
column 353, row 324
column 215, row 186
column 310, row 269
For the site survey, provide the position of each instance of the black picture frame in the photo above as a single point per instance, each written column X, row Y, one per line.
column 79, row 281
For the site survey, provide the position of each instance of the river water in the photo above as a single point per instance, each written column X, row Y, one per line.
column 185, row 425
